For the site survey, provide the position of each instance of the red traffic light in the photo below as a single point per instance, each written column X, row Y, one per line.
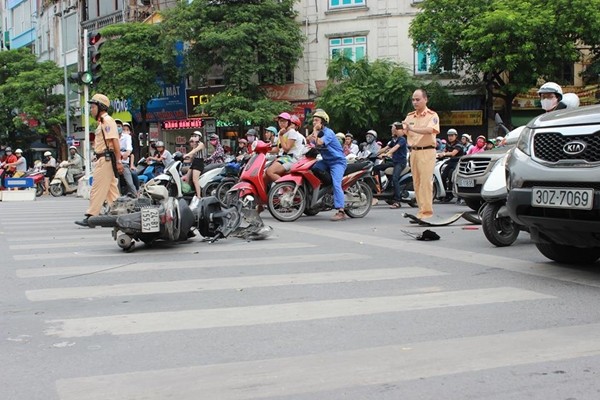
column 94, row 38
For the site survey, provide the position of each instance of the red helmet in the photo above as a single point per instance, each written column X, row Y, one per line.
column 295, row 120
column 285, row 116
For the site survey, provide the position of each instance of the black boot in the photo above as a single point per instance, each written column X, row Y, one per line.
column 84, row 222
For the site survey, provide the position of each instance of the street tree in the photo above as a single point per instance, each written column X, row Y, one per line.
column 365, row 95
column 28, row 102
column 134, row 62
column 507, row 45
column 244, row 43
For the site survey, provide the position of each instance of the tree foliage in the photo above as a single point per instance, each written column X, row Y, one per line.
column 367, row 95
column 507, row 45
column 133, row 60
column 27, row 93
column 251, row 42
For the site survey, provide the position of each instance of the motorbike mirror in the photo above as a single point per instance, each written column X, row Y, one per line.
column 498, row 119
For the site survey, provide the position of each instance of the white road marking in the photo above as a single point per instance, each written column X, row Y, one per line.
column 242, row 282
column 129, row 324
column 280, row 377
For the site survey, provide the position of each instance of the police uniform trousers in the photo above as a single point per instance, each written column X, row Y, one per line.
column 422, row 164
column 104, row 187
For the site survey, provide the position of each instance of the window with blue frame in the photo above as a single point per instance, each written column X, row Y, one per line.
column 425, row 58
column 346, row 3
column 353, row 48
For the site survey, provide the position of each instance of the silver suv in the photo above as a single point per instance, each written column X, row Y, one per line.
column 554, row 184
column 474, row 169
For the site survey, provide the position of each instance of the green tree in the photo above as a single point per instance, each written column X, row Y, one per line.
column 367, row 95
column 251, row 42
column 27, row 94
column 507, row 45
column 133, row 61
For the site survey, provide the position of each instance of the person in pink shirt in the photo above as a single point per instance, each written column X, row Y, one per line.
column 479, row 145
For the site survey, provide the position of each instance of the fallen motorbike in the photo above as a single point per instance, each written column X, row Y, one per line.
column 157, row 216
column 304, row 191
column 60, row 185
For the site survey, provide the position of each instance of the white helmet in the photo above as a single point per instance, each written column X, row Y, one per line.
column 197, row 133
column 452, row 131
column 73, row 148
column 570, row 100
column 18, row 151
column 47, row 154
column 551, row 87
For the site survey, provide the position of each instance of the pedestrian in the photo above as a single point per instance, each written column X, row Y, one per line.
column 333, row 159
column 126, row 148
column 106, row 168
column 128, row 130
column 454, row 151
column 49, row 165
column 421, row 127
column 193, row 174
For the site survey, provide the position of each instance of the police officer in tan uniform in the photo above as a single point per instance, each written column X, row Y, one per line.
column 421, row 127
column 106, row 149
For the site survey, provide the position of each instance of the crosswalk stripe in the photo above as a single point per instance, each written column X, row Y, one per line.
column 191, row 264
column 245, row 282
column 128, row 324
column 53, row 236
column 42, row 221
column 140, row 252
column 58, row 244
column 348, row 369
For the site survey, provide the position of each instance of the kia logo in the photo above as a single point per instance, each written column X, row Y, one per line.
column 574, row 147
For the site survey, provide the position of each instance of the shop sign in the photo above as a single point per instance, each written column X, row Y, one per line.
column 180, row 140
column 200, row 97
column 290, row 92
column 190, row 123
column 462, row 118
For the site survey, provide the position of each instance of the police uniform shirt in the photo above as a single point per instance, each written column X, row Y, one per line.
column 425, row 119
column 106, row 131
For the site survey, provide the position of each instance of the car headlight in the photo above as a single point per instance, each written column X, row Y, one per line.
column 524, row 143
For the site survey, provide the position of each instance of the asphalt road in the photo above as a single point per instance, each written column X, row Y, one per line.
column 322, row 310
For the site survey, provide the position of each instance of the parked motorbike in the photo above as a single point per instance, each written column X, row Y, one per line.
column 439, row 189
column 145, row 171
column 38, row 177
column 304, row 191
column 59, row 185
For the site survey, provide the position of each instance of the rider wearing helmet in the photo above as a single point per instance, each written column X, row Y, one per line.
column 106, row 148
column 291, row 145
column 218, row 155
column 162, row 156
column 333, row 159
column 49, row 164
column 372, row 146
column 550, row 94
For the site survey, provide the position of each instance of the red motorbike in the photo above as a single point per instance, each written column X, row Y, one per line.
column 308, row 192
column 251, row 188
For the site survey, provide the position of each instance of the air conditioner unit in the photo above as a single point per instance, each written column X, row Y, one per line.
column 56, row 9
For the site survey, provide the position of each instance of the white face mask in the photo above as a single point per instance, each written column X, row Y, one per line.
column 549, row 104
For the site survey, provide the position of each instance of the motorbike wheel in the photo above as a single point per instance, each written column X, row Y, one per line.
column 210, row 189
column 311, row 212
column 230, row 198
column 499, row 231
column 569, row 254
column 222, row 190
column 39, row 189
column 365, row 193
column 284, row 205
column 57, row 190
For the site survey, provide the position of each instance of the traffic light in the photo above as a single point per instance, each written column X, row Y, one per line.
column 94, row 69
column 81, row 78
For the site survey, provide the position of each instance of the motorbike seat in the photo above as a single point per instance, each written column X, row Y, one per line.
column 76, row 177
column 357, row 166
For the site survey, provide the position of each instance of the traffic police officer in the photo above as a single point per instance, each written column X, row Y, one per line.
column 421, row 126
column 106, row 148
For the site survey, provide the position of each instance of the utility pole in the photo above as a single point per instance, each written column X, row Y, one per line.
column 66, row 79
column 86, row 117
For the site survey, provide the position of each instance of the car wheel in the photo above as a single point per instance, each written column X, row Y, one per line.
column 569, row 254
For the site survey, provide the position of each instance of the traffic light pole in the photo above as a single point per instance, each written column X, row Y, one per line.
column 86, row 117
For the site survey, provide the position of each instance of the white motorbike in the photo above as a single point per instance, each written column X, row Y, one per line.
column 60, row 185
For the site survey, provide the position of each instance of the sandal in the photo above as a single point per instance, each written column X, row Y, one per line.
column 395, row 205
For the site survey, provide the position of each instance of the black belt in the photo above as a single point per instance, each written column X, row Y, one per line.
column 421, row 148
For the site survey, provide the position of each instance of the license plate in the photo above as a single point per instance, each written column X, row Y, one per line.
column 150, row 220
column 580, row 199
column 465, row 182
